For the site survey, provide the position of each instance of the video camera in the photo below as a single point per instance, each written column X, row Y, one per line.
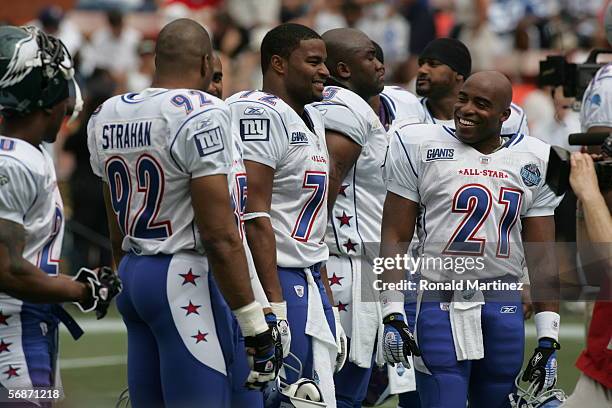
column 557, row 176
column 575, row 78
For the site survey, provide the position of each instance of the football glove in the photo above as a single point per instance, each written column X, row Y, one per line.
column 266, row 360
column 280, row 311
column 341, row 342
column 103, row 287
column 273, row 325
column 541, row 369
column 398, row 342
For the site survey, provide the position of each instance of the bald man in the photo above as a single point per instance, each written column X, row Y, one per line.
column 479, row 197
column 165, row 155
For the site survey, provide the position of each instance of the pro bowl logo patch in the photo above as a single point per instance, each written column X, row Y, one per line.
column 596, row 100
column 530, row 173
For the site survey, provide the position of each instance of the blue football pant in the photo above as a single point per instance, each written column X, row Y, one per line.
column 486, row 382
column 180, row 332
column 410, row 399
column 351, row 383
column 295, row 293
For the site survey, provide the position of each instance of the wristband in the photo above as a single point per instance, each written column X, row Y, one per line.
column 251, row 319
column 253, row 215
column 392, row 301
column 279, row 309
column 547, row 325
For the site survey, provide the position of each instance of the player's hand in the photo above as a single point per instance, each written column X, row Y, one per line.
column 541, row 369
column 265, row 358
column 103, row 287
column 273, row 325
column 341, row 342
column 279, row 310
column 398, row 342
column 583, row 178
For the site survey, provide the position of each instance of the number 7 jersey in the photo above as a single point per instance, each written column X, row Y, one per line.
column 273, row 134
column 471, row 204
column 147, row 147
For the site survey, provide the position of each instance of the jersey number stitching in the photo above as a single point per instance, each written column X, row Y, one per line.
column 317, row 181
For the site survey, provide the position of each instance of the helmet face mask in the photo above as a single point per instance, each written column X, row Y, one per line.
column 35, row 71
column 528, row 398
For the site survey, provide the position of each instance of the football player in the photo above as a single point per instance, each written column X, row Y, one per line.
column 35, row 76
column 216, row 83
column 165, row 155
column 478, row 194
column 286, row 212
column 357, row 143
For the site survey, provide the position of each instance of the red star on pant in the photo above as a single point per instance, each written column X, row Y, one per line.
column 344, row 219
column 4, row 347
column 335, row 280
column 191, row 308
column 11, row 372
column 189, row 277
column 350, row 246
column 342, row 306
column 342, row 190
column 4, row 318
column 200, row 337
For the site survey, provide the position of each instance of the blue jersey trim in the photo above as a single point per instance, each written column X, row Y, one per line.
column 127, row 98
column 407, row 156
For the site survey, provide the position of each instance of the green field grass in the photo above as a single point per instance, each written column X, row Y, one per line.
column 94, row 370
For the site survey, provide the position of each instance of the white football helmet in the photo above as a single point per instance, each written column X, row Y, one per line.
column 528, row 398
column 304, row 393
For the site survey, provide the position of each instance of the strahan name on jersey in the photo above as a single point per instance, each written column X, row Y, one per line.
column 273, row 134
column 148, row 146
column 471, row 204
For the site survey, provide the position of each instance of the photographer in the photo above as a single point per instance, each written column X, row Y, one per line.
column 594, row 387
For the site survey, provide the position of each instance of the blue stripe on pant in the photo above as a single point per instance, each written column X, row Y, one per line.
column 295, row 293
column 486, row 382
column 161, row 370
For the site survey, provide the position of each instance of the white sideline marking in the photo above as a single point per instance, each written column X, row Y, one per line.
column 86, row 362
column 572, row 331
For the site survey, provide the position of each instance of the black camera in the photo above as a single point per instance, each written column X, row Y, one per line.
column 557, row 176
column 575, row 78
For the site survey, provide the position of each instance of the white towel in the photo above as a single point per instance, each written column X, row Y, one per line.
column 465, row 312
column 401, row 379
column 366, row 316
column 324, row 349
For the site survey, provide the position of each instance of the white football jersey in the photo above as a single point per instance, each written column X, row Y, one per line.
column 273, row 134
column 516, row 123
column 404, row 106
column 29, row 196
column 597, row 100
column 357, row 212
column 148, row 146
column 471, row 204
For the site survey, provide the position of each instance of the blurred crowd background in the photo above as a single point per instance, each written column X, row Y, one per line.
column 113, row 43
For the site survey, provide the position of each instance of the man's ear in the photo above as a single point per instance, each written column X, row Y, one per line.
column 278, row 64
column 343, row 70
column 505, row 115
column 206, row 66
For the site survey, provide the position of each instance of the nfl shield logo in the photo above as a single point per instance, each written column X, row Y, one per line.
column 299, row 290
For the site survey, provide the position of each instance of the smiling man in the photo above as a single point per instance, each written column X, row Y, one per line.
column 478, row 197
column 287, row 166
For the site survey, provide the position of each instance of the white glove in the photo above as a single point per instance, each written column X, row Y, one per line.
column 280, row 311
column 341, row 341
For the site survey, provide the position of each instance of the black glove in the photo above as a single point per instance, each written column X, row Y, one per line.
column 273, row 325
column 103, row 286
column 398, row 342
column 541, row 369
column 267, row 360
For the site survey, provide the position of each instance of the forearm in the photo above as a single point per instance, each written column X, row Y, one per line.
column 544, row 280
column 228, row 263
column 26, row 282
column 262, row 243
column 597, row 219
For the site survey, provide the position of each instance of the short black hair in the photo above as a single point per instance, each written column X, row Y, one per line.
column 283, row 40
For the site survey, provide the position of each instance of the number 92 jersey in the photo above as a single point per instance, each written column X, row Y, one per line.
column 471, row 204
column 273, row 134
column 147, row 147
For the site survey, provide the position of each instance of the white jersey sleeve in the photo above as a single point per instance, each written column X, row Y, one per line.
column 263, row 134
column 94, row 158
column 202, row 145
column 18, row 189
column 401, row 172
column 340, row 116
column 597, row 100
column 405, row 107
column 516, row 123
